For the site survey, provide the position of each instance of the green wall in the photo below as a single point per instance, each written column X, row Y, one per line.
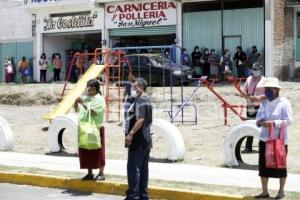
column 204, row 29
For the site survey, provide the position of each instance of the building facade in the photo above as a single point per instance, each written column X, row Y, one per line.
column 59, row 26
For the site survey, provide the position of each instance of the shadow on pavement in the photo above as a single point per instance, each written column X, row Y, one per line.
column 75, row 193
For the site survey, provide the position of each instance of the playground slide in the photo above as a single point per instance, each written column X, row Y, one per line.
column 66, row 104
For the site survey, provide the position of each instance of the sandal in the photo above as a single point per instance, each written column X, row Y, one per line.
column 88, row 177
column 262, row 196
column 280, row 196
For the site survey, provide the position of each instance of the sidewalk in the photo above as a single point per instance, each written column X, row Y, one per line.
column 159, row 171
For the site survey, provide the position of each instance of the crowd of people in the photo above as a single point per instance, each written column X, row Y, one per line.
column 209, row 63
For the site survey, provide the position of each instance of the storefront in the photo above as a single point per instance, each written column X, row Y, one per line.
column 65, row 26
column 144, row 23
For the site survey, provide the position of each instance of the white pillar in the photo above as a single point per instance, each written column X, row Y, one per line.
column 269, row 37
column 179, row 31
column 39, row 51
column 105, row 32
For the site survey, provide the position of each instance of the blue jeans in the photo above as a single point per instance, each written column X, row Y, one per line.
column 137, row 175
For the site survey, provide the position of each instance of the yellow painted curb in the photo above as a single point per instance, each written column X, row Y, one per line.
column 108, row 187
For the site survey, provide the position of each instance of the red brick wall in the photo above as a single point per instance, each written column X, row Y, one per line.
column 284, row 48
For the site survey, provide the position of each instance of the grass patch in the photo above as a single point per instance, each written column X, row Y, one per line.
column 157, row 183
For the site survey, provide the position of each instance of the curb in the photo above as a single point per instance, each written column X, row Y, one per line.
column 112, row 188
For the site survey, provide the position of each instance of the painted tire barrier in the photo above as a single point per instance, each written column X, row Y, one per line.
column 6, row 137
column 234, row 139
column 172, row 137
column 57, row 128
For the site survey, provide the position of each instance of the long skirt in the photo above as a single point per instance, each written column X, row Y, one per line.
column 93, row 159
column 268, row 172
column 9, row 77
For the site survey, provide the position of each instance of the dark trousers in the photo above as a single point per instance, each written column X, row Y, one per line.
column 249, row 141
column 56, row 74
column 206, row 70
column 241, row 71
column 43, row 75
column 137, row 175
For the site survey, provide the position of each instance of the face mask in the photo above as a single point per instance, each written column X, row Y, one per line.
column 134, row 94
column 269, row 94
column 256, row 73
column 206, row 52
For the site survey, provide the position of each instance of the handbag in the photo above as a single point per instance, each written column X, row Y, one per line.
column 88, row 134
column 10, row 69
column 26, row 72
column 275, row 151
column 51, row 67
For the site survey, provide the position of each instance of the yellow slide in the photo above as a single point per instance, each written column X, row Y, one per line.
column 66, row 104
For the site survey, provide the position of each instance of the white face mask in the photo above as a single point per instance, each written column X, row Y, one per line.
column 134, row 94
column 256, row 73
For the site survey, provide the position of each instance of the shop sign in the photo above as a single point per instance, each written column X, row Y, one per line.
column 140, row 14
column 43, row 3
column 70, row 23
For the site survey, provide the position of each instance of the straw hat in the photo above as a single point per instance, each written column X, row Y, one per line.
column 271, row 82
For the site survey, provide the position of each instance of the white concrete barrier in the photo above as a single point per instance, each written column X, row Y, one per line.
column 6, row 137
column 58, row 126
column 172, row 136
column 233, row 141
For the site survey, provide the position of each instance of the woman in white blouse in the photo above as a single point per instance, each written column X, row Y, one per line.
column 274, row 110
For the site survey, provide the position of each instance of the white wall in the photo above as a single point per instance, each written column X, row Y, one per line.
column 15, row 22
column 57, row 44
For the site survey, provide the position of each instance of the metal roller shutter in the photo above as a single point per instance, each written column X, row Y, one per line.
column 158, row 30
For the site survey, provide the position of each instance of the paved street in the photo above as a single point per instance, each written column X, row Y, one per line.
column 22, row 192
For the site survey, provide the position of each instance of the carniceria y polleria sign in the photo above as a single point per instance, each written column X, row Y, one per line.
column 69, row 22
column 140, row 14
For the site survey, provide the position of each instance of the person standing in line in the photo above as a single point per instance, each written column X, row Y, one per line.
column 240, row 58
column 24, row 69
column 214, row 61
column 185, row 58
column 275, row 111
column 57, row 62
column 92, row 159
column 9, row 70
column 196, row 56
column 254, row 95
column 43, row 63
column 226, row 64
column 139, row 142
column 254, row 57
column 206, row 64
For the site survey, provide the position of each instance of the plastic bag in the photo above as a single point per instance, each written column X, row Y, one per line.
column 275, row 152
column 88, row 134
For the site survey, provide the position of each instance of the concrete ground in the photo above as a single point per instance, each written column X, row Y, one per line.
column 24, row 192
column 158, row 171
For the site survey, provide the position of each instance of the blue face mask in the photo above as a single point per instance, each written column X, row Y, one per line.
column 269, row 94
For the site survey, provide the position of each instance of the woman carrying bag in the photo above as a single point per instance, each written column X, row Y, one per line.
column 274, row 115
column 91, row 143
